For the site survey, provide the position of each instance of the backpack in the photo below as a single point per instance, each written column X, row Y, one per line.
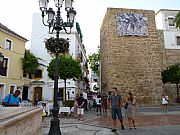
column 8, row 100
column 166, row 98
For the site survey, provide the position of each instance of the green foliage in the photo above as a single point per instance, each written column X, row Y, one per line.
column 94, row 62
column 57, row 45
column 177, row 20
column 68, row 68
column 171, row 74
column 29, row 62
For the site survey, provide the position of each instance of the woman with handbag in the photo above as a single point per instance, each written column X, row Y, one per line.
column 165, row 100
column 130, row 111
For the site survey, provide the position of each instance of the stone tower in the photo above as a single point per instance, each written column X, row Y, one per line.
column 132, row 54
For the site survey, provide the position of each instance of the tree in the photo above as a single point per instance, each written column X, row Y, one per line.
column 172, row 74
column 177, row 20
column 94, row 62
column 68, row 68
column 29, row 63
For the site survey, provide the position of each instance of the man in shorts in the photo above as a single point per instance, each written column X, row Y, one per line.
column 80, row 107
column 115, row 106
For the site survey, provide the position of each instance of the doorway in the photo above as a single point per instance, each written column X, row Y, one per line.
column 39, row 91
column 25, row 93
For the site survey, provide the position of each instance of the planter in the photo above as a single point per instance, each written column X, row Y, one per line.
column 57, row 45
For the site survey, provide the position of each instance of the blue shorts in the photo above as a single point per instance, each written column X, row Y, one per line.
column 116, row 112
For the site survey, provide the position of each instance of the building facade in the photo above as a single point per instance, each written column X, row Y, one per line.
column 165, row 22
column 76, row 49
column 131, row 54
column 171, row 36
column 12, row 46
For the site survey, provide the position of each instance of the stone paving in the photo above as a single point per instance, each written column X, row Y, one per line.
column 149, row 121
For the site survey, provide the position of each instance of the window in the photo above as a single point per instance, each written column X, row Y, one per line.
column 8, row 44
column 11, row 91
column 3, row 67
column 178, row 40
column 171, row 21
column 38, row 74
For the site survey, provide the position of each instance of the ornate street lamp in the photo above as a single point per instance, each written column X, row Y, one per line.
column 55, row 22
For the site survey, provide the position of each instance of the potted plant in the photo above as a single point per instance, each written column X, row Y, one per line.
column 57, row 45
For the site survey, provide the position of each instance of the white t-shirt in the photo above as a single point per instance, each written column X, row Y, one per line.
column 164, row 101
column 84, row 95
column 98, row 101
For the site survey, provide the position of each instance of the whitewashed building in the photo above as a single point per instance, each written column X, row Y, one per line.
column 165, row 21
column 44, row 85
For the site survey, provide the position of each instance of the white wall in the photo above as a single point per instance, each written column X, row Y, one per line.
column 39, row 33
column 159, row 21
column 170, row 32
column 170, row 39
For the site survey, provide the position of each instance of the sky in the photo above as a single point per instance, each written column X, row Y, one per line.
column 17, row 15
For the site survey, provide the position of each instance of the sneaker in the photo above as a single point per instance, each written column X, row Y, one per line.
column 113, row 130
column 122, row 127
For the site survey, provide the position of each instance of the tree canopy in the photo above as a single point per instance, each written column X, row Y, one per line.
column 68, row 68
column 172, row 75
column 177, row 20
column 94, row 62
column 29, row 62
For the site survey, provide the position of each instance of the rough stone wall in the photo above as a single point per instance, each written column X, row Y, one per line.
column 131, row 63
column 172, row 56
column 162, row 51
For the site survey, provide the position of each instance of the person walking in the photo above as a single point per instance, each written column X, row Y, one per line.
column 75, row 105
column 115, row 106
column 94, row 96
column 12, row 100
column 98, row 104
column 130, row 111
column 85, row 99
column 80, row 107
column 104, row 104
column 165, row 100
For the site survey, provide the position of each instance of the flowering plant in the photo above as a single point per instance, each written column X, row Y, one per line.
column 57, row 45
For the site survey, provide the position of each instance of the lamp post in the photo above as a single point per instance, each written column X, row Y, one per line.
column 55, row 22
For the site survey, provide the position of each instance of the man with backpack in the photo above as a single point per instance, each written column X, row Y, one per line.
column 12, row 100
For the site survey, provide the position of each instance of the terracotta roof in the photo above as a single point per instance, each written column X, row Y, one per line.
column 4, row 28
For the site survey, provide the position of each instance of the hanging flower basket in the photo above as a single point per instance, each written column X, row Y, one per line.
column 57, row 45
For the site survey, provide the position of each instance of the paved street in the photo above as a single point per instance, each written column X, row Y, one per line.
column 149, row 121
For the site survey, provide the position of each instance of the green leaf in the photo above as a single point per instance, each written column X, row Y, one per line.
column 29, row 62
column 57, row 45
column 177, row 20
column 94, row 62
column 68, row 68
